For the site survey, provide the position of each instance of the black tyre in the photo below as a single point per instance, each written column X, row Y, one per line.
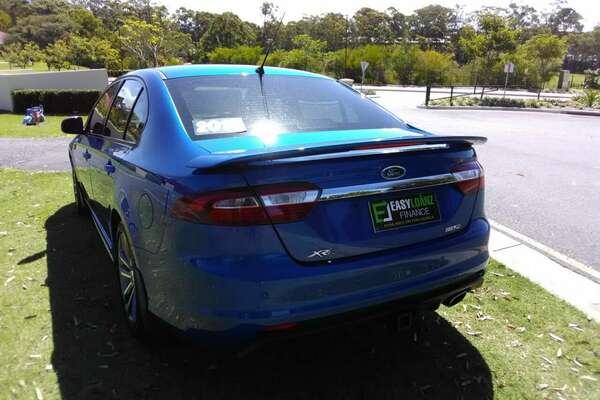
column 79, row 201
column 132, row 291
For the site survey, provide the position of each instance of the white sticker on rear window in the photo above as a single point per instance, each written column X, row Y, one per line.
column 213, row 126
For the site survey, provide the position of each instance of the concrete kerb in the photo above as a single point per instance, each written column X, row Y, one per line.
column 562, row 276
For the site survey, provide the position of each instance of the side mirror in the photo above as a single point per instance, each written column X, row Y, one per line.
column 72, row 125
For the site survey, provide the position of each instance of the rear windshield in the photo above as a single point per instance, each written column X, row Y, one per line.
column 225, row 105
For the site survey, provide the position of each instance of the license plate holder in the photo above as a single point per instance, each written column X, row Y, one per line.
column 405, row 210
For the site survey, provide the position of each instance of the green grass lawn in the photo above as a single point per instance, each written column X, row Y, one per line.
column 38, row 66
column 11, row 126
column 61, row 334
column 577, row 80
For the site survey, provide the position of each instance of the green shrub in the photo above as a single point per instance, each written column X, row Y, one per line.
column 237, row 55
column 589, row 98
column 502, row 102
column 115, row 73
column 55, row 101
column 433, row 68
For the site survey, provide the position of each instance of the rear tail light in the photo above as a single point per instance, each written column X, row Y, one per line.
column 469, row 176
column 280, row 203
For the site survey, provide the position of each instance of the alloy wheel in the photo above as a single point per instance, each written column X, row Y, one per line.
column 127, row 278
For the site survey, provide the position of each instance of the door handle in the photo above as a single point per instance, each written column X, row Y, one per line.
column 87, row 155
column 109, row 168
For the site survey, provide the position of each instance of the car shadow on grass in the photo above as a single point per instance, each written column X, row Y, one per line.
column 95, row 358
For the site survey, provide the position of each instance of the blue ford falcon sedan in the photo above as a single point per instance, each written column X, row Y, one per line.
column 238, row 203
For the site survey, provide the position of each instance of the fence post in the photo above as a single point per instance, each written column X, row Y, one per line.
column 451, row 94
column 427, row 95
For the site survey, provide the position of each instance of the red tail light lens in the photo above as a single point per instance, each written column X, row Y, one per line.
column 469, row 176
column 288, row 202
column 280, row 203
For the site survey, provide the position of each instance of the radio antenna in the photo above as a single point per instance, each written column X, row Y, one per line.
column 260, row 70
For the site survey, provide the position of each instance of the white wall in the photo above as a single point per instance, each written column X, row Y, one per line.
column 95, row 79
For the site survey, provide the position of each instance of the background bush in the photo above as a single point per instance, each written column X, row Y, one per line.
column 115, row 73
column 55, row 101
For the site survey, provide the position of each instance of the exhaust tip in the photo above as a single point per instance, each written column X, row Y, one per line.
column 455, row 298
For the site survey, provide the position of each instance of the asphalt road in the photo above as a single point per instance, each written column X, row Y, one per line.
column 35, row 154
column 542, row 170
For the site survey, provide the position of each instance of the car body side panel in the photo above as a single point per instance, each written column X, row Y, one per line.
column 79, row 154
column 101, row 149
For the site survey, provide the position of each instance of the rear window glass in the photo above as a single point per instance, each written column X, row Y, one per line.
column 218, row 105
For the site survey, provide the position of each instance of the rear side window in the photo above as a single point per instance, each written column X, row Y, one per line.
column 212, row 105
column 95, row 123
column 121, row 109
column 137, row 120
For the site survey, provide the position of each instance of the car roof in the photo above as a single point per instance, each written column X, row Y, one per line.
column 182, row 71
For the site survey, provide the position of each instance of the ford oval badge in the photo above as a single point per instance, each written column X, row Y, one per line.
column 393, row 172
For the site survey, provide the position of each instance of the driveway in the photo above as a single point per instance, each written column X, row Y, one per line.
column 35, row 154
column 542, row 170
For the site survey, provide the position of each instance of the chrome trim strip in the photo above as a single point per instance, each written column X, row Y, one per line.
column 362, row 153
column 370, row 189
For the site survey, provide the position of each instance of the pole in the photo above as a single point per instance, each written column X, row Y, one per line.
column 346, row 49
column 451, row 93
column 505, row 84
column 427, row 95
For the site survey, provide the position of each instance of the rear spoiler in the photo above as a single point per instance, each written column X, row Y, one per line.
column 331, row 150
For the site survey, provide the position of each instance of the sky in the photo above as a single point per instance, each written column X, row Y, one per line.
column 249, row 10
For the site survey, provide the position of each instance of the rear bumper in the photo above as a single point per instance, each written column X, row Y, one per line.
column 423, row 301
column 239, row 298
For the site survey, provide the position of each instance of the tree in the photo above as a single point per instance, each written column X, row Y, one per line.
column 86, row 23
column 93, row 52
column 522, row 16
column 583, row 51
column 42, row 29
column 194, row 23
column 228, row 30
column 371, row 26
column 308, row 54
column 541, row 57
column 487, row 46
column 397, row 22
column 332, row 28
column 378, row 58
column 432, row 25
column 57, row 55
column 151, row 44
column 268, row 11
column 404, row 59
column 238, row 55
column 14, row 8
column 21, row 55
column 564, row 20
column 5, row 21
column 433, row 67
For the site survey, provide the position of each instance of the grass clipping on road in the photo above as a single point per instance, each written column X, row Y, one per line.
column 11, row 126
column 61, row 335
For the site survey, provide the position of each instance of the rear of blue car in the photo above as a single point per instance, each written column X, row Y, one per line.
column 330, row 211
